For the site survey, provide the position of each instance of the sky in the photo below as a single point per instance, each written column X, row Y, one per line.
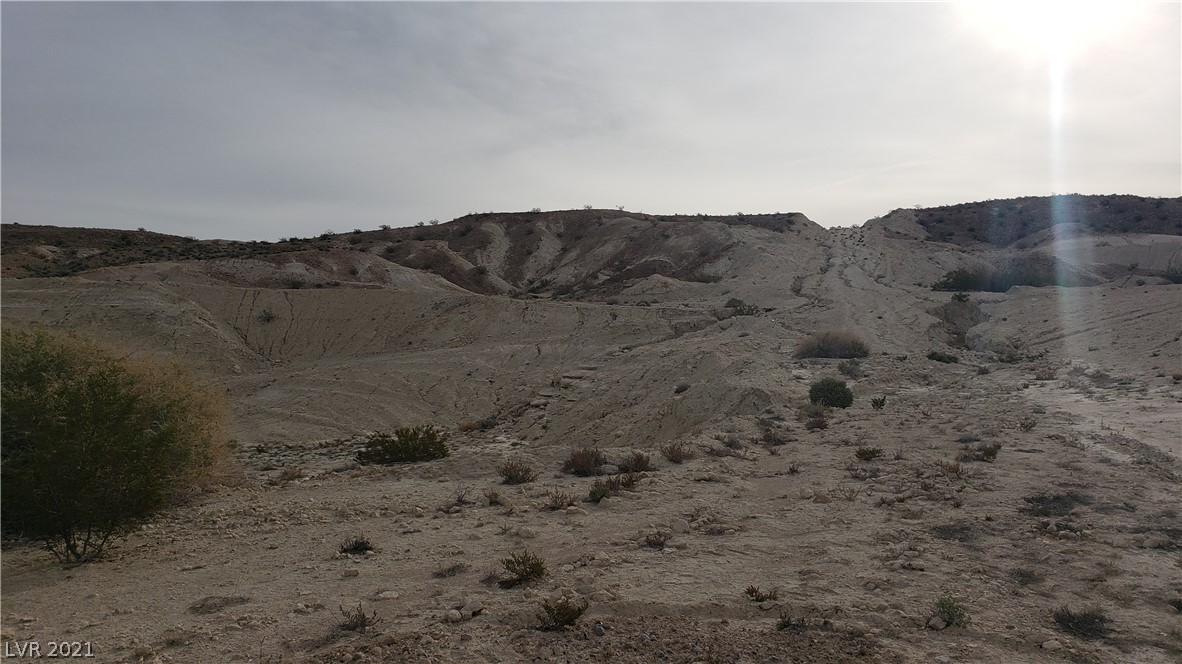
column 266, row 120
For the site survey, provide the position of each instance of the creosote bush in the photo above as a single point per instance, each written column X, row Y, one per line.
column 95, row 443
column 423, row 443
column 559, row 614
column 841, row 344
column 831, row 392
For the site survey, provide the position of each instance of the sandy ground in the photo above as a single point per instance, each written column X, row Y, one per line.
column 1086, row 408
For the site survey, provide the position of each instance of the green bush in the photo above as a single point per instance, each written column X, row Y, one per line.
column 411, row 444
column 559, row 614
column 522, row 568
column 841, row 344
column 95, row 442
column 831, row 392
column 952, row 613
column 943, row 357
column 741, row 308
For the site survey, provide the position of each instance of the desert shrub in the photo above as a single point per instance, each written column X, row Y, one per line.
column 946, row 358
column 522, row 568
column 1057, row 504
column 450, row 571
column 293, row 283
column 355, row 544
column 657, row 540
column 793, row 624
column 405, row 445
column 850, row 368
column 831, row 392
column 774, row 438
column 584, row 462
column 877, row 403
column 741, row 308
column 677, row 452
column 559, row 500
column 1091, row 624
column 960, row 297
column 609, row 487
column 1024, row 576
column 516, row 472
column 356, row 620
column 982, row 370
column 868, row 453
column 266, row 316
column 559, row 614
column 987, row 452
column 95, row 443
column 832, row 343
column 1027, row 423
column 952, row 613
column 637, row 462
column 758, row 595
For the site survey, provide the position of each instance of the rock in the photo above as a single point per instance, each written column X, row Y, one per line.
column 575, row 509
column 1066, row 535
column 769, row 604
column 822, row 498
column 937, row 624
column 526, row 533
column 350, row 573
column 598, row 630
column 1051, row 645
column 453, row 616
column 680, row 526
column 472, row 608
column 144, row 652
column 605, row 502
column 388, row 594
column 602, row 596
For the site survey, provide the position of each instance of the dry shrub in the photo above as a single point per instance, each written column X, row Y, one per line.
column 758, row 595
column 677, row 452
column 637, row 462
column 559, row 500
column 356, row 620
column 559, row 614
column 832, row 343
column 584, row 462
column 516, row 472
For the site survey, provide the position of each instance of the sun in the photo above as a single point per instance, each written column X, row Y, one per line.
column 1036, row 29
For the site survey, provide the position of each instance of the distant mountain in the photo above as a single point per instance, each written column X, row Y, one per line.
column 1009, row 221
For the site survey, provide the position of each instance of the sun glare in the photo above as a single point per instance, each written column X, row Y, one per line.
column 1032, row 29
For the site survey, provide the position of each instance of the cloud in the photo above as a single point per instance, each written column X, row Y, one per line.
column 259, row 120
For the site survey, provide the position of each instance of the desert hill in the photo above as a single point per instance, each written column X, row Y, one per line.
column 527, row 334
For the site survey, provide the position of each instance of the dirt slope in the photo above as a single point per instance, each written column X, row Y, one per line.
column 620, row 347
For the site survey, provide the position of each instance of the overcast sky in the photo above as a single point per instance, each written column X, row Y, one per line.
column 262, row 120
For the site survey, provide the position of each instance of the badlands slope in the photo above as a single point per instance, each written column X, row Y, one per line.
column 609, row 329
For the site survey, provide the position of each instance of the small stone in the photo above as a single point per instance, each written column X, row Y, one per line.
column 679, row 526
column 350, row 573
column 1051, row 645
column 937, row 624
column 389, row 594
column 822, row 498
column 1066, row 535
column 526, row 533
column 769, row 604
column 453, row 616
column 472, row 608
column 598, row 630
